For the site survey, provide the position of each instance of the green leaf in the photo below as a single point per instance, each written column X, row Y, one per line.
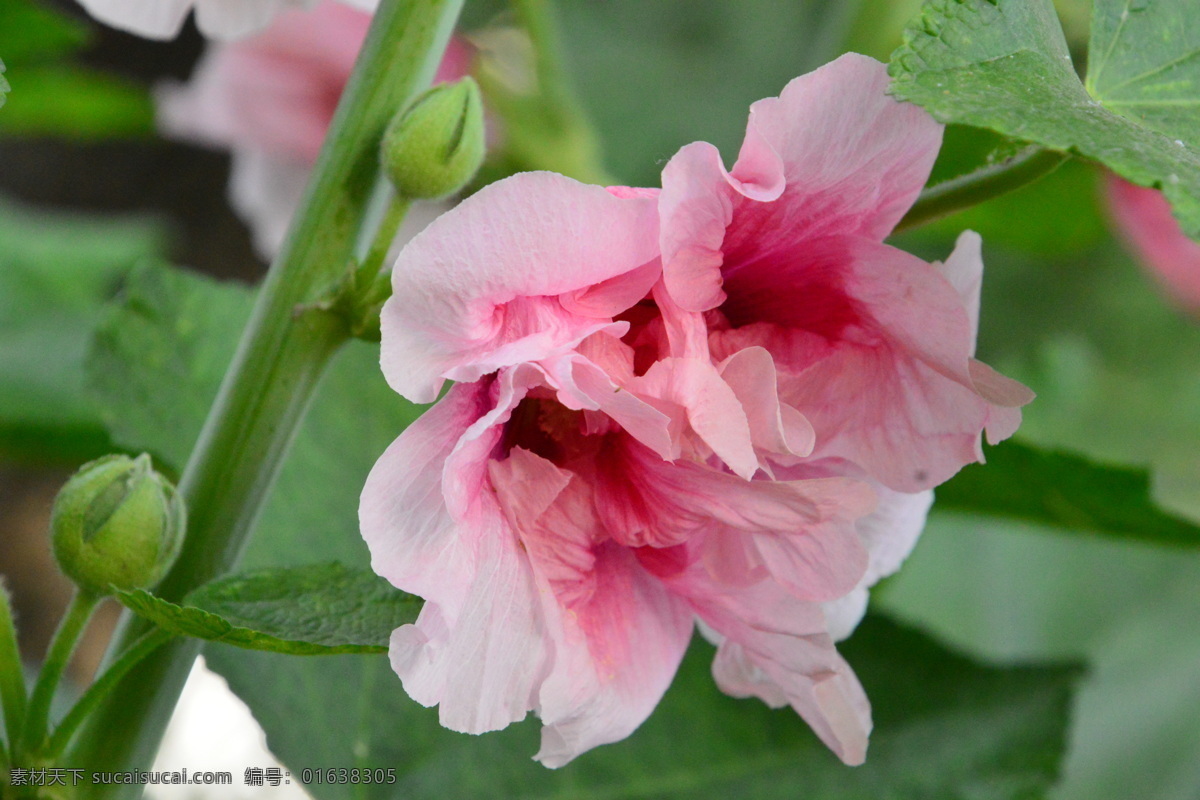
column 946, row 727
column 1003, row 65
column 1144, row 62
column 322, row 609
column 76, row 103
column 1066, row 491
column 157, row 358
column 56, row 273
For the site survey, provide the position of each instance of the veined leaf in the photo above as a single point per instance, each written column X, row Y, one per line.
column 322, row 609
column 1004, row 65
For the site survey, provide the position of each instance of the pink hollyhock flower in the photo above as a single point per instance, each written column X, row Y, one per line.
column 1143, row 217
column 723, row 403
column 270, row 99
column 223, row 19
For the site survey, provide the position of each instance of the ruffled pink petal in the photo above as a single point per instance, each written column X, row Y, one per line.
column 775, row 427
column 874, row 348
column 413, row 540
column 478, row 289
column 478, row 648
column 618, row 635
column 775, row 647
column 833, row 155
column 802, row 532
column 854, row 158
column 696, row 207
column 711, row 407
column 583, row 384
column 889, row 534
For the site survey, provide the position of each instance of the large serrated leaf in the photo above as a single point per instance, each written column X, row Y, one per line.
column 321, row 609
column 1003, row 65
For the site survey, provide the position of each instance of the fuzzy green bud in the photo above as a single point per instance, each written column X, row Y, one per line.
column 435, row 146
column 117, row 523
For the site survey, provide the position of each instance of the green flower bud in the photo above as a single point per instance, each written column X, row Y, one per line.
column 117, row 523
column 433, row 147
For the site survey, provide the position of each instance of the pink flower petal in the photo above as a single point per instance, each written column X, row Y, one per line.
column 889, row 534
column 414, row 542
column 618, row 635
column 712, row 408
column 800, row 532
column 477, row 650
column 775, row 647
column 775, row 427
column 851, row 160
column 1145, row 220
column 874, row 349
column 478, row 289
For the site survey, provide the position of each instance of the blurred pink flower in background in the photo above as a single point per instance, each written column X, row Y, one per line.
column 223, row 19
column 724, row 402
column 1145, row 221
column 270, row 99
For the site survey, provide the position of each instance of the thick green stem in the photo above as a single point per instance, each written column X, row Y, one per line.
column 37, row 717
column 95, row 693
column 283, row 351
column 12, row 675
column 983, row 184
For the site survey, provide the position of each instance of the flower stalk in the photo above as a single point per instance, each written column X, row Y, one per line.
column 973, row 188
column 37, row 716
column 286, row 345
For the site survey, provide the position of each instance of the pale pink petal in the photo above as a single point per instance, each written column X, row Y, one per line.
column 465, row 473
column 616, row 657
column 775, row 427
column 583, row 384
column 854, row 159
column 964, row 271
column 414, row 542
column 478, row 289
column 802, row 532
column 609, row 298
column 479, row 649
column 156, row 19
column 1146, row 222
column 618, row 635
column 265, row 190
column 696, row 207
column 775, row 647
column 833, row 155
column 232, row 19
column 889, row 534
column 873, row 347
